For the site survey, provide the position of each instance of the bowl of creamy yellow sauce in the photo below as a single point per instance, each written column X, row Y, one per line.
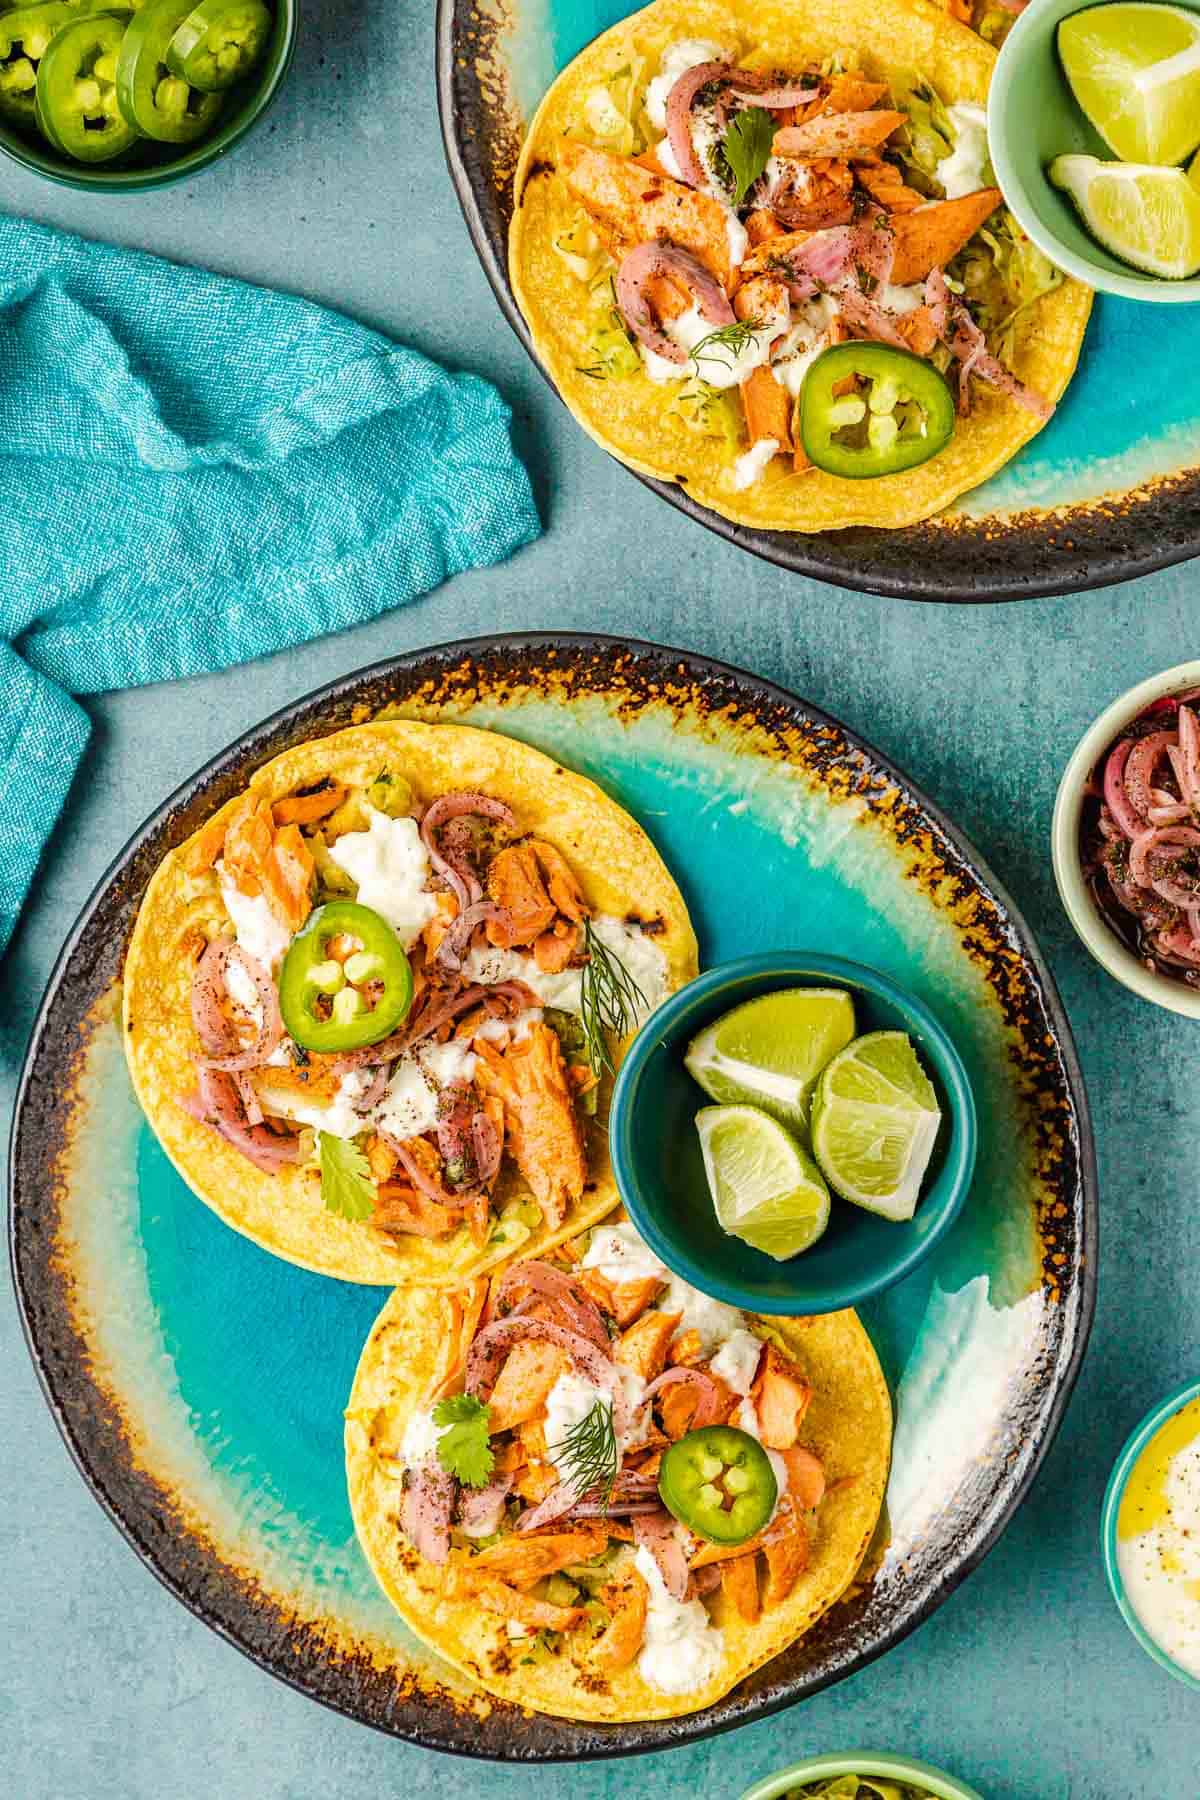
column 1150, row 1533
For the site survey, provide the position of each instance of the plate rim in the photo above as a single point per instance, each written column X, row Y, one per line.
column 689, row 1728
column 1085, row 578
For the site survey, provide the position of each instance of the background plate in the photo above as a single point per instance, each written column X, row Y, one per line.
column 1110, row 489
column 199, row 1382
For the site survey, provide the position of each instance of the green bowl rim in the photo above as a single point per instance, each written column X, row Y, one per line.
column 1135, row 1443
column 795, row 965
column 104, row 178
column 1151, row 288
column 863, row 1762
column 1092, row 928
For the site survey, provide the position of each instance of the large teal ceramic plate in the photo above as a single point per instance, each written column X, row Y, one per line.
column 1110, row 489
column 199, row 1382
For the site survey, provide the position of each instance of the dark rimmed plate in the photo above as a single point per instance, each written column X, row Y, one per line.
column 199, row 1381
column 1108, row 491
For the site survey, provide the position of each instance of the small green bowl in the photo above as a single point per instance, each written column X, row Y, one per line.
column 660, row 1170
column 149, row 165
column 1074, row 891
column 1108, row 1524
column 863, row 1762
column 1032, row 118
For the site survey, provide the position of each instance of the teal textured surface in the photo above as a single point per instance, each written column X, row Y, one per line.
column 197, row 472
column 1026, row 1684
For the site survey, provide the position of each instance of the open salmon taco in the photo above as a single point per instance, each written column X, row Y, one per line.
column 760, row 253
column 601, row 1493
column 373, row 1007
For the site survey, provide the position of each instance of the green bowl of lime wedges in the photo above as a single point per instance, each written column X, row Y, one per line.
column 793, row 1132
column 1108, row 97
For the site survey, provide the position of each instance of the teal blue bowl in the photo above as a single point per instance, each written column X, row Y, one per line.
column 660, row 1171
column 1033, row 117
column 1113, row 1495
column 869, row 1763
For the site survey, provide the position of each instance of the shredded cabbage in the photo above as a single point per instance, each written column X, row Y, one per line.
column 610, row 353
column 708, row 411
column 994, row 24
column 581, row 250
column 930, row 135
column 1003, row 274
column 614, row 111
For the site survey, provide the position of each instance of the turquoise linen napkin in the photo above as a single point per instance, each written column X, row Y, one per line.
column 194, row 472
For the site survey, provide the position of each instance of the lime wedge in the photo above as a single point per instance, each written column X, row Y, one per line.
column 875, row 1119
column 1135, row 71
column 1148, row 217
column 769, row 1052
column 765, row 1188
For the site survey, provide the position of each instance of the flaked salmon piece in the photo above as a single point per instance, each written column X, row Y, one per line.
column 403, row 1211
column 314, row 1083
column 688, row 1349
column 542, row 1129
column 886, row 185
column 624, row 1301
column 677, row 1408
column 781, row 1397
column 761, row 259
column 477, row 1213
column 560, row 881
column 739, row 1581
column 306, row 809
column 514, row 882
column 423, row 1152
column 276, row 864
column 535, row 1480
column 643, row 1348
column 204, row 849
column 849, row 93
column 539, row 1615
column 836, row 134
column 523, row 1560
column 768, row 408
column 762, row 297
column 762, row 224
column 439, row 925
column 806, row 1477
column 530, row 1371
column 554, row 950
column 532, row 1434
column 786, row 1551
column 918, row 330
column 929, row 239
column 632, row 205
column 381, row 1158
column 625, row 1632
column 509, row 1457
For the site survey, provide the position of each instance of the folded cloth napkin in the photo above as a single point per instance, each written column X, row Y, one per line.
column 194, row 472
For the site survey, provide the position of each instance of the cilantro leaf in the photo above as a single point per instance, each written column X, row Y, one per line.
column 463, row 1448
column 746, row 147
column 346, row 1185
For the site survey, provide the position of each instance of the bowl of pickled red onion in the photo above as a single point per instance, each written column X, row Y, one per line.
column 1126, row 839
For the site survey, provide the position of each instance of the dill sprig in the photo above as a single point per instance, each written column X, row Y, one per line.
column 609, row 1001
column 590, row 1453
column 727, row 343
